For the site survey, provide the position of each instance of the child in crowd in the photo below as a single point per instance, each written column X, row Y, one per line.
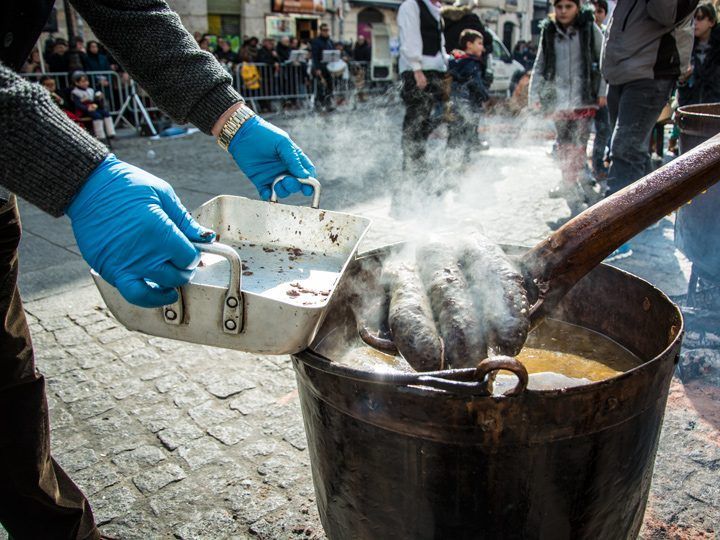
column 91, row 103
column 566, row 84
column 50, row 85
column 467, row 92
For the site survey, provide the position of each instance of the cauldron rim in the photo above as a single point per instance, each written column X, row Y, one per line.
column 320, row 362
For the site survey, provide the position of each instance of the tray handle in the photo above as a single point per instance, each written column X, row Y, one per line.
column 309, row 181
column 233, row 304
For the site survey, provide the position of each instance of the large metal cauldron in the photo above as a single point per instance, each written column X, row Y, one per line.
column 404, row 461
column 697, row 227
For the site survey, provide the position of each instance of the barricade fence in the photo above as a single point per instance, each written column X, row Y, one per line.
column 110, row 83
column 262, row 85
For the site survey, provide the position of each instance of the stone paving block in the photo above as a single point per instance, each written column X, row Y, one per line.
column 44, row 340
column 169, row 382
column 70, row 394
column 114, row 334
column 158, row 477
column 155, row 370
column 125, row 389
column 96, row 478
column 251, row 401
column 67, row 439
column 157, row 417
column 77, row 460
column 252, row 502
column 109, row 374
column 127, row 345
column 229, row 386
column 72, row 335
column 88, row 317
column 230, row 433
column 114, row 423
column 112, row 502
column 189, row 394
column 138, row 459
column 60, row 418
column 92, row 406
column 210, row 413
column 136, row 524
column 282, row 470
column 165, row 345
column 100, row 326
column 175, row 502
column 211, row 525
column 295, row 435
column 253, row 450
column 73, row 385
column 52, row 324
column 52, row 361
column 178, row 434
column 200, row 452
column 90, row 355
column 138, row 357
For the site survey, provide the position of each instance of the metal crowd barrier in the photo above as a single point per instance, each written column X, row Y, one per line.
column 110, row 83
column 294, row 83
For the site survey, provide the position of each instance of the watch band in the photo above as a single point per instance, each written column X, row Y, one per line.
column 233, row 124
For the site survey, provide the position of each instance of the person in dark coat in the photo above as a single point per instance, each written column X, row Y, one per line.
column 459, row 17
column 324, row 81
column 701, row 83
column 283, row 49
column 269, row 72
column 468, row 93
column 95, row 60
column 58, row 62
column 362, row 51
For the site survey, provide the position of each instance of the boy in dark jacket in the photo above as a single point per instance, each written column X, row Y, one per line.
column 468, row 92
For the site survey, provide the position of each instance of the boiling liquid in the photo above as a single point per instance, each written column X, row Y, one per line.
column 570, row 350
column 557, row 355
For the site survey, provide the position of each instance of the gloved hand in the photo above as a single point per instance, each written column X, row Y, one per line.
column 132, row 229
column 264, row 152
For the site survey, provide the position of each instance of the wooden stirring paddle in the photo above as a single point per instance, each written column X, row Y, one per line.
column 557, row 263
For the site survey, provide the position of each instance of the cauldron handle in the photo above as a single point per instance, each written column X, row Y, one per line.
column 496, row 363
column 557, row 263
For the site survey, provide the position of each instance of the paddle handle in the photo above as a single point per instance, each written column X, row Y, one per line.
column 557, row 263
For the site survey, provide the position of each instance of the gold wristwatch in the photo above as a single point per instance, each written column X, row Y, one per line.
column 233, row 124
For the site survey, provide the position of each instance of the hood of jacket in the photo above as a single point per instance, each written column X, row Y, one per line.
column 453, row 13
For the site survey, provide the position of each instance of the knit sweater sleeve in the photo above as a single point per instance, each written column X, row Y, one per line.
column 150, row 42
column 44, row 157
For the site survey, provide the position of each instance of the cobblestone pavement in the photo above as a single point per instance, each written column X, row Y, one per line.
column 171, row 440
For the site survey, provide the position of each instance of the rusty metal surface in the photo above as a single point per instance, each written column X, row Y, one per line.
column 407, row 461
column 697, row 227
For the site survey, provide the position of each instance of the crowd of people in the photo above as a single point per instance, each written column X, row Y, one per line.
column 579, row 75
column 616, row 80
column 291, row 66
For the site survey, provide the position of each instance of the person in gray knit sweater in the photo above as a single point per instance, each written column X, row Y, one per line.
column 129, row 225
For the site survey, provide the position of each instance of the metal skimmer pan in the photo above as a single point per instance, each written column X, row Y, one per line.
column 263, row 286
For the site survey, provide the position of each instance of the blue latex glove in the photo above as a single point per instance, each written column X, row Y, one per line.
column 132, row 229
column 264, row 152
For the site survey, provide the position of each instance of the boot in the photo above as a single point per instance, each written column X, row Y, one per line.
column 109, row 127
column 99, row 129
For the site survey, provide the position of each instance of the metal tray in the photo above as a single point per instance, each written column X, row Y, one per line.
column 263, row 286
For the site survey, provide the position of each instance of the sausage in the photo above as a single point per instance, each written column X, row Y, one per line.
column 368, row 301
column 498, row 290
column 455, row 314
column 411, row 320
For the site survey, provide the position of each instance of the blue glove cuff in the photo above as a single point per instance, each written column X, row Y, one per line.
column 97, row 180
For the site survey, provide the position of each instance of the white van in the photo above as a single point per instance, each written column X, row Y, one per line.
column 503, row 67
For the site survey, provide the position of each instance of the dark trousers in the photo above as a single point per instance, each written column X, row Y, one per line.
column 323, row 89
column 37, row 499
column 420, row 119
column 602, row 138
column 634, row 108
